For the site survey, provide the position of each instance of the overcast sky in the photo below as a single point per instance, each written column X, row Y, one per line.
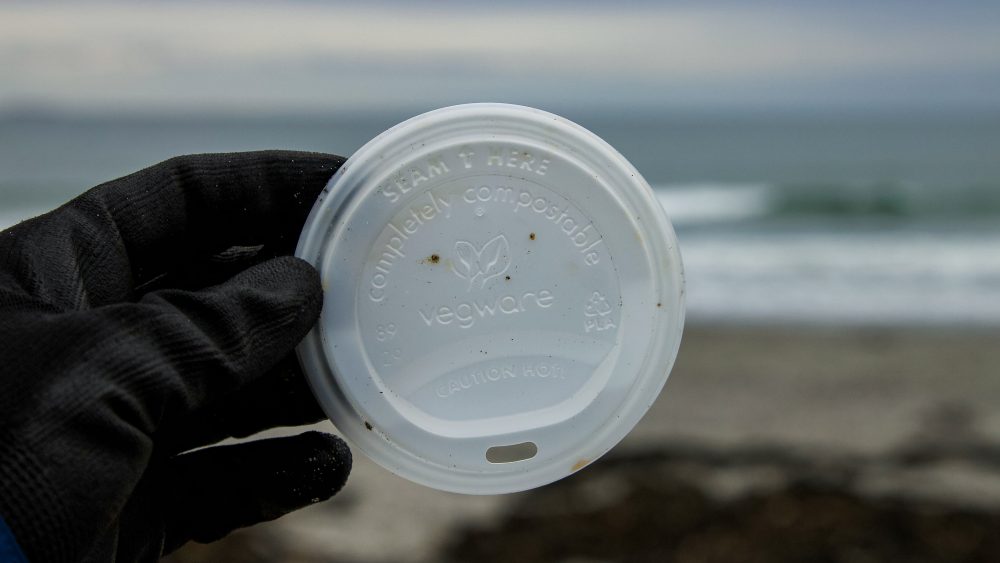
column 319, row 56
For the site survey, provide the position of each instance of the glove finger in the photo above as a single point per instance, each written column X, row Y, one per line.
column 200, row 271
column 216, row 490
column 279, row 398
column 203, row 204
column 122, row 235
column 178, row 351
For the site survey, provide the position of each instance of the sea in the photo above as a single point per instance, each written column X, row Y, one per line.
column 854, row 219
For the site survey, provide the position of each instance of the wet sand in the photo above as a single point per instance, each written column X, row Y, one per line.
column 882, row 426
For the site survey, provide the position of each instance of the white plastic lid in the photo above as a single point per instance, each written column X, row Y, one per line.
column 504, row 298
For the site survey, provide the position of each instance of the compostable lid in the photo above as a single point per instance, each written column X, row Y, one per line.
column 503, row 298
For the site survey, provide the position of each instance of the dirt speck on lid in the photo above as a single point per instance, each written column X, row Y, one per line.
column 368, row 425
column 532, row 236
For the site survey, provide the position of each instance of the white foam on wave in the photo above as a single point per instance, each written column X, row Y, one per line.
column 713, row 202
column 888, row 278
column 829, row 273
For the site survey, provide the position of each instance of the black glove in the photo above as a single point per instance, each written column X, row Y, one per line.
column 151, row 315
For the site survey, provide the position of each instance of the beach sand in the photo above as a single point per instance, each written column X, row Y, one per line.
column 889, row 437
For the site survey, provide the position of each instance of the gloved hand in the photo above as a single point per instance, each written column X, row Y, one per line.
column 151, row 315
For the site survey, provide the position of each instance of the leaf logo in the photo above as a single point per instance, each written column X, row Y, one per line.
column 479, row 265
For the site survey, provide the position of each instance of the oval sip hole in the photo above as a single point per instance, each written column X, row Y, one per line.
column 511, row 453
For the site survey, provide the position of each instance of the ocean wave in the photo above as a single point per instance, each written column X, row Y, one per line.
column 895, row 278
column 713, row 202
column 696, row 203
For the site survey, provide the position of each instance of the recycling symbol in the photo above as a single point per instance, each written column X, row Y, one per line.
column 598, row 314
column 597, row 306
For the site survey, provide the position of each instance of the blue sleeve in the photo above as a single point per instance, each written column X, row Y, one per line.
column 9, row 550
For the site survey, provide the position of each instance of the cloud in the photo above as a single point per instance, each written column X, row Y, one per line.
column 315, row 55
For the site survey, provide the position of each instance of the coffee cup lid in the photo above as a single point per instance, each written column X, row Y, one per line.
column 503, row 298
